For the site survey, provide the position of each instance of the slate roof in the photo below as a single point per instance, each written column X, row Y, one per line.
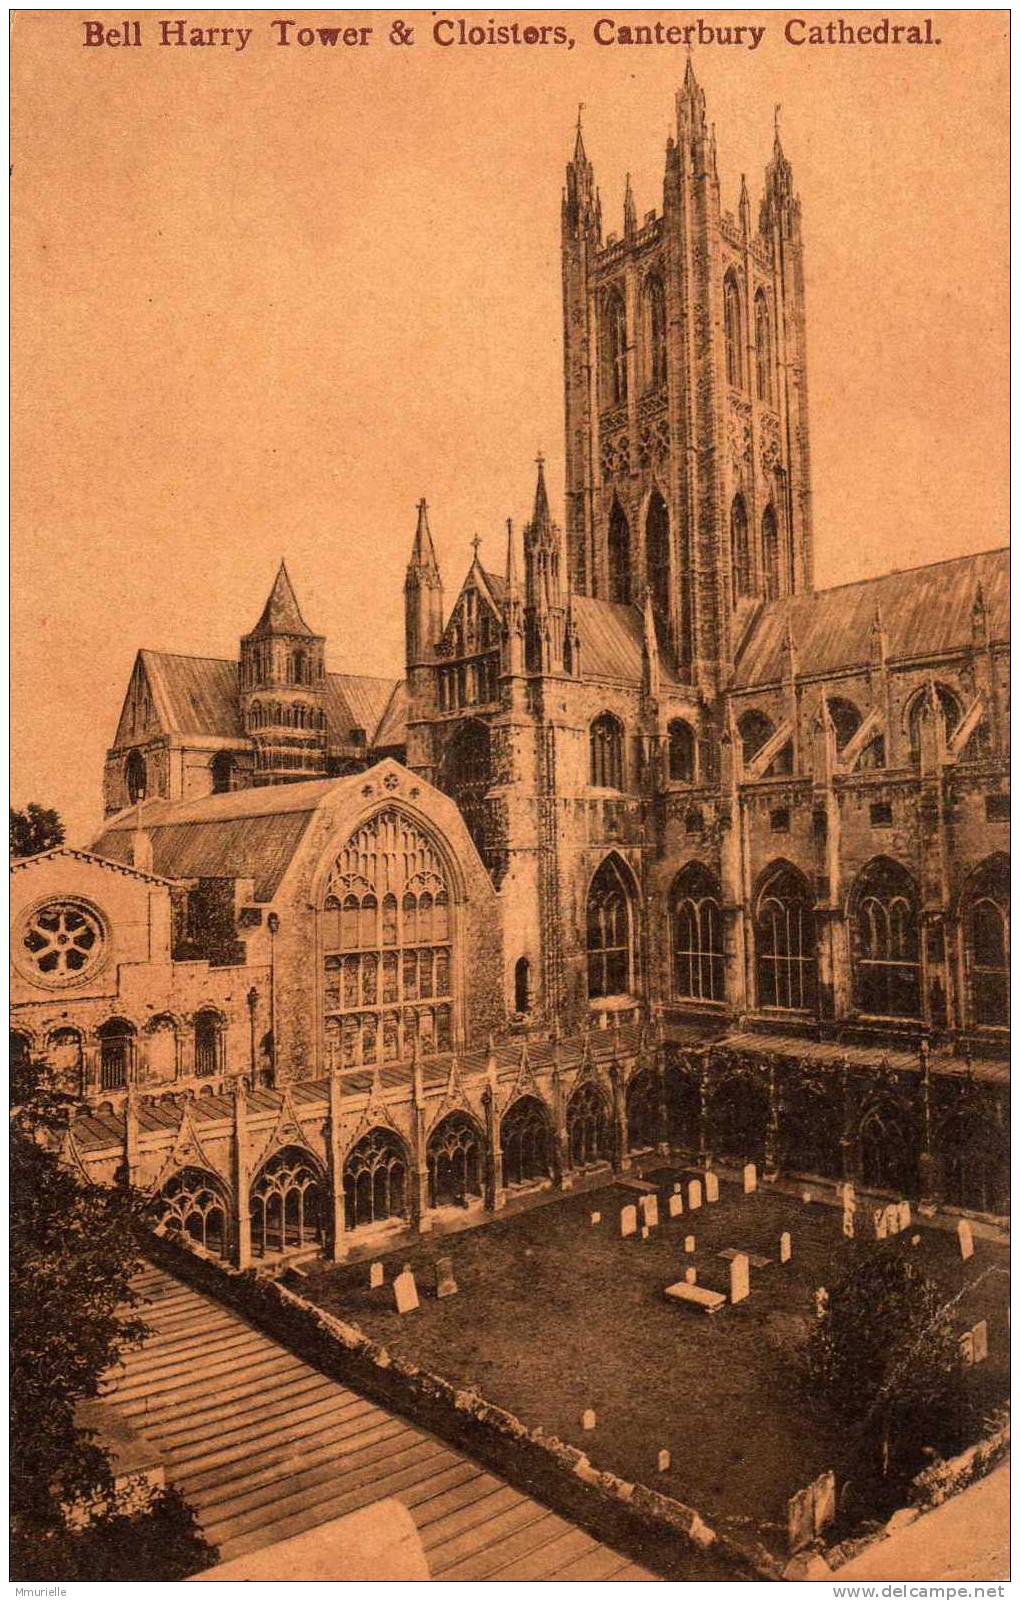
column 281, row 614
column 611, row 638
column 392, row 730
column 926, row 612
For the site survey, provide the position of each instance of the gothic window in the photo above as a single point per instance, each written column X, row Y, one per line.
column 193, row 1204
column 466, row 774
column 810, row 1130
column 644, row 1111
column 888, row 1149
column 657, row 554
column 846, row 720
column 286, row 1203
column 974, row 1152
column 737, row 1118
column 298, row 668
column 455, row 1158
column 740, row 549
column 588, row 1126
column 949, row 709
column 763, row 347
column 208, row 1043
column 116, row 1050
column 619, row 556
column 609, row 932
column 696, row 927
column 986, row 943
column 135, row 776
column 222, row 772
column 605, row 752
column 525, row 1141
column 770, row 554
column 784, row 927
column 755, row 731
column 734, row 332
column 655, row 332
column 375, row 1179
column 388, row 962
column 615, row 325
column 681, row 752
column 885, row 937
column 522, row 985
column 683, row 1108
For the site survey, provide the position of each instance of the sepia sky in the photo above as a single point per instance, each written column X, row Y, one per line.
column 265, row 299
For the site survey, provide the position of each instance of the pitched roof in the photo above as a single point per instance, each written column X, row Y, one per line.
column 611, row 638
column 392, row 730
column 281, row 614
column 367, row 699
column 926, row 611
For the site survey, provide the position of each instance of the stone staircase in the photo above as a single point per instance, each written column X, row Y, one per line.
column 264, row 1447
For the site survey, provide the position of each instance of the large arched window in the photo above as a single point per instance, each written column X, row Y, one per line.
column 885, row 941
column 763, row 347
column 771, row 567
column 286, row 1203
column 619, row 556
column 644, row 1110
column 615, row 333
column 116, row 1053
column 193, row 1203
column 740, row 549
column 888, row 1144
column 696, row 926
column 455, row 1157
column 375, row 1179
column 609, row 932
column 209, row 1043
column 655, row 332
column 681, row 752
column 657, row 554
column 466, row 774
column 784, row 928
column 734, row 332
column 135, row 776
column 949, row 707
column 525, row 1141
column 588, row 1126
column 388, row 946
column 605, row 751
column 986, row 943
column 755, row 731
column 522, row 985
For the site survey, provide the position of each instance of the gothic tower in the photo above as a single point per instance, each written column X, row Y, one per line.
column 283, row 690
column 688, row 470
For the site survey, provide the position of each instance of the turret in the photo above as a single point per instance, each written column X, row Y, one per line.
column 283, row 686
column 629, row 210
column 513, row 611
column 423, row 596
column 543, row 586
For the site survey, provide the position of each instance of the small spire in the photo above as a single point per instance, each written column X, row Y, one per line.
column 579, row 151
column 511, row 561
column 475, row 543
column 650, row 650
column 777, row 141
column 629, row 209
column 281, row 614
column 540, row 516
column 690, row 87
column 423, row 552
column 745, row 206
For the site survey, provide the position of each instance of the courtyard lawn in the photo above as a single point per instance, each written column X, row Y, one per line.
column 555, row 1315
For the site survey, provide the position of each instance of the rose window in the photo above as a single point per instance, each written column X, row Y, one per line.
column 62, row 940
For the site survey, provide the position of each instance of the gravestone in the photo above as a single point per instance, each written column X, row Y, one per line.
column 663, row 1461
column 848, row 1223
column 800, row 1519
column 376, row 1276
column 694, row 1195
column 905, row 1217
column 785, row 1247
column 711, row 1187
column 848, row 1194
column 446, row 1284
column 750, row 1178
column 824, row 1489
column 690, row 1275
column 628, row 1221
column 740, row 1279
column 689, row 1245
column 644, row 1231
column 915, row 1239
column 821, row 1301
column 405, row 1291
column 967, row 1348
column 892, row 1219
column 807, row 1196
column 965, row 1235
column 677, row 1188
column 649, row 1205
column 676, row 1205
column 588, row 1418
column 979, row 1339
column 881, row 1223
column 596, row 1217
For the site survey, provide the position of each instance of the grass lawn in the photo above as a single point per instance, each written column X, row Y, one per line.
column 554, row 1315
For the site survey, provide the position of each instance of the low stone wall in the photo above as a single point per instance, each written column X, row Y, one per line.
column 653, row 1528
column 943, row 1479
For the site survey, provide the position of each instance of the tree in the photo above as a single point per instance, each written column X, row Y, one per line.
column 73, row 1249
column 885, row 1359
column 34, row 830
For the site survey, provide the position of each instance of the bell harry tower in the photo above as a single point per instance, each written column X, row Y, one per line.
column 688, row 464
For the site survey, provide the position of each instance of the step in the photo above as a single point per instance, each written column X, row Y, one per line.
column 175, row 1419
column 170, row 1344
column 283, row 1454
column 204, row 1460
column 183, row 1359
column 598, row 1564
column 439, row 1506
column 483, row 1534
column 272, row 1360
column 486, row 1505
column 322, row 1448
column 254, row 1424
column 528, row 1554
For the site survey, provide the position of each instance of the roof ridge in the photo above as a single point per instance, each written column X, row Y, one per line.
column 896, row 572
column 187, row 655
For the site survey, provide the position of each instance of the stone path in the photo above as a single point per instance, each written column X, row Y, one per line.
column 263, row 1447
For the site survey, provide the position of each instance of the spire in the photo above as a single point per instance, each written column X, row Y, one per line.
column 423, row 552
column 580, row 155
column 629, row 209
column 423, row 595
column 745, row 208
column 512, row 587
column 540, row 517
column 691, row 88
column 650, row 651
column 778, row 180
column 281, row 614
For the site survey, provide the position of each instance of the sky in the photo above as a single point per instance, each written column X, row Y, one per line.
column 263, row 300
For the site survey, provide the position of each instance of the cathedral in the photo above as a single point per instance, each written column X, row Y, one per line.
column 654, row 848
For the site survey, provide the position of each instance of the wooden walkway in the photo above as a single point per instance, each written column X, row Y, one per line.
column 263, row 1447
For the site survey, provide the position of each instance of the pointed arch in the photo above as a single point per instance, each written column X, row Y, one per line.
column 885, row 940
column 658, row 555
column 949, row 708
column 466, row 774
column 610, row 930
column 135, row 777
column 619, row 555
column 846, row 719
column 695, row 921
column 740, row 549
column 605, row 752
column 589, row 1125
column 375, row 1179
column 654, row 305
column 614, row 333
column 784, row 927
column 194, row 1204
column 682, row 748
column 755, row 730
column 772, row 571
column 525, row 1138
column 644, row 1110
column 287, row 1202
column 985, row 905
column 455, row 1154
column 763, row 347
column 889, row 1148
column 738, row 1114
column 733, row 319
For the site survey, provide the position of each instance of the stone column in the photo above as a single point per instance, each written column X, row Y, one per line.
column 131, row 1134
column 242, row 1179
column 561, row 1164
column 621, row 1155
column 419, row 1175
column 495, row 1193
column 336, row 1221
